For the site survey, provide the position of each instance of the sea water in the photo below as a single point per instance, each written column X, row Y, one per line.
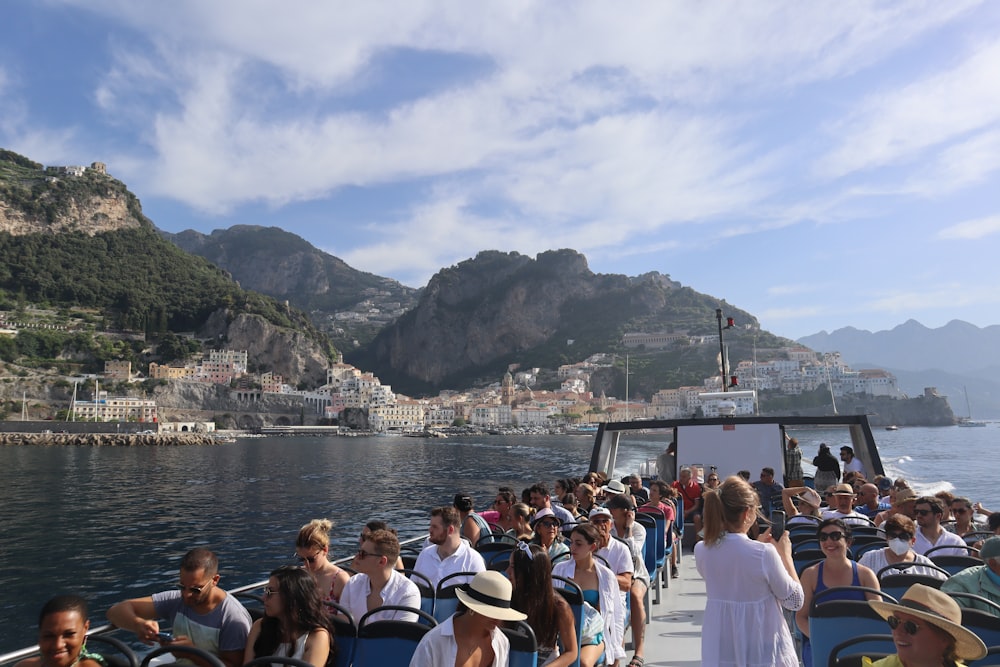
column 111, row 523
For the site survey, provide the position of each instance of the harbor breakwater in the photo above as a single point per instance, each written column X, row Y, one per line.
column 107, row 439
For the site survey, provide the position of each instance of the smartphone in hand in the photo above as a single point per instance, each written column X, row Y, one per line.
column 165, row 636
column 777, row 524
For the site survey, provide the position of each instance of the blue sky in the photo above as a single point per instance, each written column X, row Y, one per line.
column 819, row 164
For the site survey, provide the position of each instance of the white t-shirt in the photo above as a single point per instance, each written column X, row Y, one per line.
column 465, row 559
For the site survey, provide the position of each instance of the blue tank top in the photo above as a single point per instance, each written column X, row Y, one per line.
column 839, row 595
column 592, row 597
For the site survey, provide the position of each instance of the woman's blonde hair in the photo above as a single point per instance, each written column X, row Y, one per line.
column 316, row 533
column 724, row 507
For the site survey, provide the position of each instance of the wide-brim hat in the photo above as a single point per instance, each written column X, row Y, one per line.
column 614, row 486
column 489, row 594
column 904, row 496
column 843, row 490
column 810, row 497
column 940, row 610
column 542, row 513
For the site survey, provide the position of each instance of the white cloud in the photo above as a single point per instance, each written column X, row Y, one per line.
column 898, row 125
column 972, row 230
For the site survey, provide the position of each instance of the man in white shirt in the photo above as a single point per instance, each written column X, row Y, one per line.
column 447, row 552
column 541, row 500
column 930, row 534
column 842, row 506
column 377, row 582
column 618, row 555
column 851, row 462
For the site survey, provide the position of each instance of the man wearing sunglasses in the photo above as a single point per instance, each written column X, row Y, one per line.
column 930, row 534
column 201, row 614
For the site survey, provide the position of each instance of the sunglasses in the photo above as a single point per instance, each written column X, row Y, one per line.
column 362, row 554
column 836, row 537
column 268, row 591
column 898, row 536
column 960, row 510
column 308, row 559
column 194, row 590
column 548, row 524
column 909, row 627
column 921, row 512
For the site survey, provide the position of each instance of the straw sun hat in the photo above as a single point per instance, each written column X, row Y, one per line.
column 940, row 610
column 489, row 595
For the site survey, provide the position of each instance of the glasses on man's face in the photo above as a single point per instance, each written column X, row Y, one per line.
column 921, row 512
column 362, row 554
column 909, row 627
column 898, row 536
column 268, row 591
column 835, row 536
column 193, row 590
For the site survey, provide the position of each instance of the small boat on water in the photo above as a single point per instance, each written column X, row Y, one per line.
column 968, row 422
column 891, row 427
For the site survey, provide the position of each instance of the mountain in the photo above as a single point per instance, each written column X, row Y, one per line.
column 80, row 262
column 478, row 317
column 285, row 266
column 950, row 358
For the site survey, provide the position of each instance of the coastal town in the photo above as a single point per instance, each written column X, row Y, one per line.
column 515, row 401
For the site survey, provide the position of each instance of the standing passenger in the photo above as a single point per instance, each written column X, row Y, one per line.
column 827, row 468
column 746, row 581
column 793, row 463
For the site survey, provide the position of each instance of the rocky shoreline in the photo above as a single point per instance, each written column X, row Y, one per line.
column 107, row 439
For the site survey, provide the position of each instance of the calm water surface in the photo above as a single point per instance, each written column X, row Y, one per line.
column 110, row 523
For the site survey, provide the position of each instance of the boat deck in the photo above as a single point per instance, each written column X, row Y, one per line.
column 673, row 635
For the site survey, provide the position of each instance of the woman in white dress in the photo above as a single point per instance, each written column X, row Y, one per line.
column 747, row 582
column 295, row 624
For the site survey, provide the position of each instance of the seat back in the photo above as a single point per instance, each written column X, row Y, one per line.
column 345, row 634
column 120, row 656
column 573, row 595
column 983, row 623
column 253, row 603
column 266, row 660
column 834, row 621
column 426, row 589
column 806, row 557
column 859, row 550
column 649, row 547
column 661, row 528
column 494, row 542
column 897, row 584
column 207, row 658
column 392, row 642
column 992, row 658
column 954, row 564
column 523, row 646
column 498, row 559
column 445, row 600
column 948, row 548
column 851, row 652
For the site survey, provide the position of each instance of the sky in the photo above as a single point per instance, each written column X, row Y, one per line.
column 818, row 164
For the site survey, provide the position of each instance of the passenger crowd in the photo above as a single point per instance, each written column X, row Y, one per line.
column 585, row 531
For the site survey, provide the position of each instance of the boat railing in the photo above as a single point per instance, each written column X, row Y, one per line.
column 14, row 656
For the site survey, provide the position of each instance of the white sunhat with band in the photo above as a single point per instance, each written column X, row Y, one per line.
column 489, row 594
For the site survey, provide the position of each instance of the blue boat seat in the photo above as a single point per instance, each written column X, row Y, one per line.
column 523, row 645
column 390, row 642
column 445, row 600
column 954, row 564
column 205, row 657
column 835, row 621
column 345, row 634
column 426, row 589
column 121, row 654
column 573, row 594
column 873, row 646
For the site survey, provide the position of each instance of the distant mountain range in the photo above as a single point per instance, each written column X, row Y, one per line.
column 951, row 358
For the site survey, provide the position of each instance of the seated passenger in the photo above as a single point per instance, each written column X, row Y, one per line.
column 295, row 623
column 690, row 490
column 842, row 506
column 837, row 569
column 521, row 514
column 447, row 552
column 600, row 591
column 473, row 633
column 930, row 534
column 868, row 502
column 312, row 547
column 636, row 489
column 540, row 500
column 549, row 615
column 586, row 498
column 903, row 500
column 982, row 580
column 370, row 528
column 965, row 518
column 768, row 490
column 504, row 505
column 474, row 526
column 569, row 504
column 201, row 614
column 901, row 534
column 625, row 527
column 547, row 525
column 377, row 582
column 62, row 635
column 809, row 504
column 927, row 630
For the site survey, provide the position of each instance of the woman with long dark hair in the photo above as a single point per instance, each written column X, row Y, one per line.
column 295, row 624
column 549, row 615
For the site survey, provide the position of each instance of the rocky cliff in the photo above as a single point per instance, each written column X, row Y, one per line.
column 502, row 308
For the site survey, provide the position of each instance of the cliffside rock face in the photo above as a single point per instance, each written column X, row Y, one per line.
column 502, row 306
column 288, row 352
column 89, row 215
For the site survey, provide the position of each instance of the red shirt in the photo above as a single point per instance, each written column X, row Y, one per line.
column 691, row 493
